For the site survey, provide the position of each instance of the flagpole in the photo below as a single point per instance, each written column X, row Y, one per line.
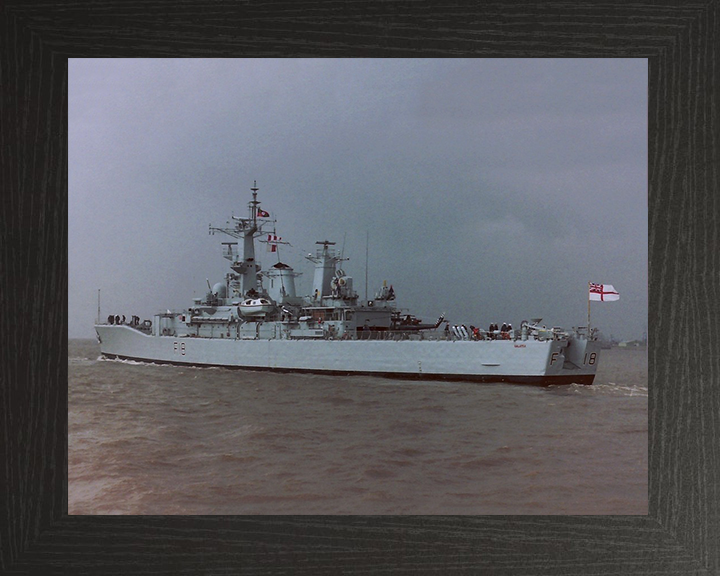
column 588, row 323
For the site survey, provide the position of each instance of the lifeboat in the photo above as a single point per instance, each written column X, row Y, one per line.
column 255, row 307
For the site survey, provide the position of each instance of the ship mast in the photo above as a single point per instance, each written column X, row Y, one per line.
column 246, row 229
column 254, row 204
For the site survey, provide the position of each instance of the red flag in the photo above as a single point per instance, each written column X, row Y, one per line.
column 262, row 214
column 272, row 239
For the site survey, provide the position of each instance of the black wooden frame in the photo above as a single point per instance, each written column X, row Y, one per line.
column 681, row 41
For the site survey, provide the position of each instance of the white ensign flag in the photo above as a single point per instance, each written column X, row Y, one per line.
column 603, row 292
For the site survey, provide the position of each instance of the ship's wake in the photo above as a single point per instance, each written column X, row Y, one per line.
column 602, row 389
column 124, row 361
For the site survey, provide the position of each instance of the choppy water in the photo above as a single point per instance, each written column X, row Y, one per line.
column 146, row 439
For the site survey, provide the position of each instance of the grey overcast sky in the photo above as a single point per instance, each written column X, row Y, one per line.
column 493, row 190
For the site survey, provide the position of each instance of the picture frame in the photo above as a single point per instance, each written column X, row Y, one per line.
column 680, row 535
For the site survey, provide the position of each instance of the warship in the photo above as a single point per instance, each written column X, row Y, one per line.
column 254, row 319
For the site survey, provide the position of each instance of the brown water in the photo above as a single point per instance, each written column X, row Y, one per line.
column 146, row 439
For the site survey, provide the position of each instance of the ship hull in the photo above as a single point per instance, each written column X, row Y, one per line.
column 524, row 362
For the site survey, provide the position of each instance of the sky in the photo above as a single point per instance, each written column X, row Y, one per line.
column 492, row 190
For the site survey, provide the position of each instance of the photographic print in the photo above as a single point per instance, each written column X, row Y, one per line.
column 413, row 256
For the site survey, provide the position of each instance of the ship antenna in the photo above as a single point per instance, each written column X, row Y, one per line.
column 367, row 247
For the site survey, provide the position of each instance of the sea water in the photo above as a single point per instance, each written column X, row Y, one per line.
column 150, row 439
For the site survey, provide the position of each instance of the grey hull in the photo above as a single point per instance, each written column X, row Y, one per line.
column 526, row 362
